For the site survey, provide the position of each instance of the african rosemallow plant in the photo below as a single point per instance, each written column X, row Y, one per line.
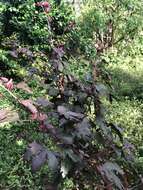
column 74, row 118
column 84, row 140
column 73, row 114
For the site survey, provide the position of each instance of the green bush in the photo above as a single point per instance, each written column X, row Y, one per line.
column 27, row 30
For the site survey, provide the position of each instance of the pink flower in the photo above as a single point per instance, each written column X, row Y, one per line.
column 42, row 127
column 45, row 5
column 29, row 105
column 39, row 116
column 47, row 9
column 3, row 79
column 42, row 117
column 9, row 85
column 34, row 116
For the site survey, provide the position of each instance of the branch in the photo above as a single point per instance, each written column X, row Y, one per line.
column 2, row 86
column 123, row 37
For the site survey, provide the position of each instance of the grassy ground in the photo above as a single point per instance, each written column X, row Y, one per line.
column 126, row 110
column 14, row 173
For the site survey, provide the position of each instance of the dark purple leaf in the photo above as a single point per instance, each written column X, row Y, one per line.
column 33, row 149
column 22, row 50
column 72, row 116
column 25, row 51
column 68, row 92
column 100, row 121
column 102, row 90
column 128, row 149
column 53, row 162
column 62, row 110
column 74, row 157
column 63, row 122
column 50, row 128
column 59, row 51
column 83, row 129
column 39, row 160
column 117, row 129
column 32, row 71
column 53, row 92
column 112, row 172
column 27, row 155
column 78, row 109
column 51, row 186
column 14, row 53
column 44, row 102
column 60, row 66
column 66, row 139
column 53, row 114
column 82, row 97
column 38, row 156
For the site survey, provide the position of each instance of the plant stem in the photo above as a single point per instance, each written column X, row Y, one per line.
column 2, row 86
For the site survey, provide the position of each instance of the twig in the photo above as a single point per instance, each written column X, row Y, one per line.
column 49, row 28
column 124, row 36
column 2, row 86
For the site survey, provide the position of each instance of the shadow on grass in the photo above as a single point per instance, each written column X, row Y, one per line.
column 127, row 83
column 14, row 172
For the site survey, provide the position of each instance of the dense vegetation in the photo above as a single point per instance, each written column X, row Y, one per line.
column 71, row 95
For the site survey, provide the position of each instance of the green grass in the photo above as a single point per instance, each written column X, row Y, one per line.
column 14, row 138
column 14, row 173
column 129, row 115
column 127, row 77
column 127, row 109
